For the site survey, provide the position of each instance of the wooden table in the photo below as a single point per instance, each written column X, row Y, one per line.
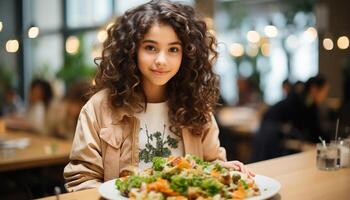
column 300, row 179
column 241, row 120
column 42, row 151
column 298, row 175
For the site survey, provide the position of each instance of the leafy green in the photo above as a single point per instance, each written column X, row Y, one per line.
column 245, row 185
column 158, row 163
column 133, row 182
column 199, row 161
column 218, row 167
column 197, row 181
column 180, row 184
column 211, row 186
column 122, row 186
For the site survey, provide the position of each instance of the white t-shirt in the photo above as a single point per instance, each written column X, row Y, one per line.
column 155, row 137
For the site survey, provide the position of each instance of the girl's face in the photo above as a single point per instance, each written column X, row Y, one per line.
column 159, row 56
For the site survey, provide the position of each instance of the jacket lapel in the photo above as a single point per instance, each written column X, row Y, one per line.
column 192, row 143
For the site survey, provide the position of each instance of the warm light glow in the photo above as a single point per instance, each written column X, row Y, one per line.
column 236, row 49
column 93, row 82
column 33, row 32
column 0, row 26
column 252, row 50
column 343, row 42
column 253, row 36
column 265, row 49
column 271, row 31
column 310, row 34
column 328, row 44
column 102, row 35
column 72, row 45
column 292, row 42
column 12, row 46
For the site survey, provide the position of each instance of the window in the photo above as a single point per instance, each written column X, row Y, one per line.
column 85, row 13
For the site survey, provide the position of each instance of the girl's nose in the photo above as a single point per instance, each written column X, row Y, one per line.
column 160, row 59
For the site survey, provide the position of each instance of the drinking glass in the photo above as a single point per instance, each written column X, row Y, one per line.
column 344, row 147
column 328, row 156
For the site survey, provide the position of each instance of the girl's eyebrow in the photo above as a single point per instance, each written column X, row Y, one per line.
column 155, row 42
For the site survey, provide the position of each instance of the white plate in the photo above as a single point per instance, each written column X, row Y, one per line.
column 109, row 191
column 268, row 188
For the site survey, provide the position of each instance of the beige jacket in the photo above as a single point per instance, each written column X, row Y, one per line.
column 106, row 142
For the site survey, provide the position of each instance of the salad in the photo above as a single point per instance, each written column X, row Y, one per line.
column 180, row 178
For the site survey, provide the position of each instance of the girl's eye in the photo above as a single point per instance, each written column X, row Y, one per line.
column 174, row 49
column 150, row 48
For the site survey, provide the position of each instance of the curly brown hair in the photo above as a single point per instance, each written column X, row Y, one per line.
column 192, row 92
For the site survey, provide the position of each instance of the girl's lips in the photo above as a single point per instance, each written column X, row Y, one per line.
column 158, row 72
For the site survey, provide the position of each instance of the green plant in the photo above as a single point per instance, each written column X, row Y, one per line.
column 74, row 67
column 7, row 77
column 43, row 72
column 7, row 81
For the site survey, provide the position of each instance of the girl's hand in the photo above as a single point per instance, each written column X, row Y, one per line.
column 237, row 166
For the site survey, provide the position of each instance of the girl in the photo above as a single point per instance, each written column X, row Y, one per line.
column 155, row 94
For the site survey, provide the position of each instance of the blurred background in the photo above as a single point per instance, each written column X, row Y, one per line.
column 284, row 68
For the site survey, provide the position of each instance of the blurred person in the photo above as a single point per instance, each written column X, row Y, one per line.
column 247, row 92
column 11, row 103
column 63, row 114
column 33, row 118
column 298, row 87
column 286, row 87
column 296, row 117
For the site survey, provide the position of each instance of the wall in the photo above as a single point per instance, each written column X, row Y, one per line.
column 335, row 25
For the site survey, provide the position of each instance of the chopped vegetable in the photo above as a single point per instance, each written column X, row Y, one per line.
column 178, row 178
column 158, row 163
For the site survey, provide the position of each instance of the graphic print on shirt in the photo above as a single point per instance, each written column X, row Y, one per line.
column 157, row 145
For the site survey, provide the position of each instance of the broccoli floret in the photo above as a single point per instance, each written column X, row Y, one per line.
column 180, row 184
column 158, row 163
column 199, row 161
column 219, row 168
column 122, row 186
column 197, row 181
column 211, row 186
column 135, row 181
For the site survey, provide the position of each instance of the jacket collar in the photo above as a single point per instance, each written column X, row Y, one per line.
column 119, row 114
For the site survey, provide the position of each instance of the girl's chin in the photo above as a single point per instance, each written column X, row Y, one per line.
column 160, row 83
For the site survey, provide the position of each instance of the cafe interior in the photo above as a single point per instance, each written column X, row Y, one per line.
column 284, row 71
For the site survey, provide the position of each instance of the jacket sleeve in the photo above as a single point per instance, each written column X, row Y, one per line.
column 211, row 144
column 85, row 169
